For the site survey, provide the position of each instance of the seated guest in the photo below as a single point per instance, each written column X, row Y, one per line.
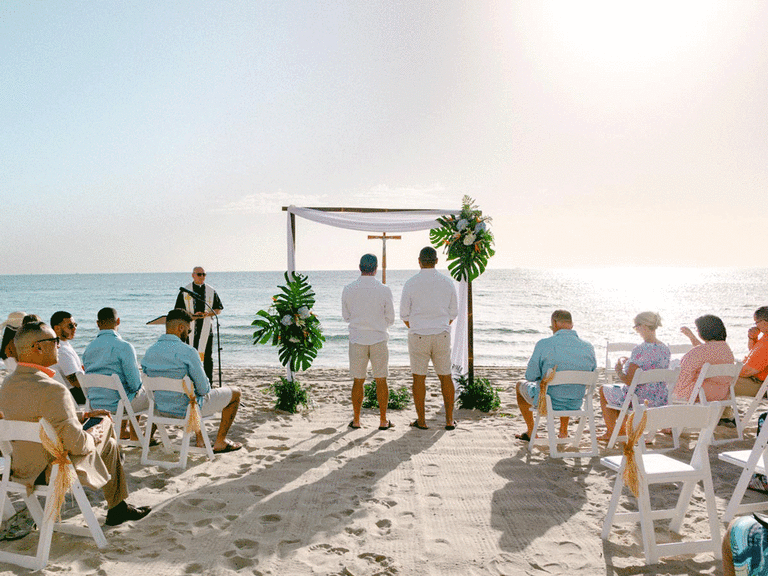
column 69, row 364
column 172, row 357
column 8, row 330
column 109, row 354
column 755, row 367
column 31, row 393
column 650, row 355
column 713, row 350
column 565, row 350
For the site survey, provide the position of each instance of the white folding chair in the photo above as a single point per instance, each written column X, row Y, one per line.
column 655, row 468
column 124, row 410
column 754, row 404
column 611, row 349
column 720, row 370
column 630, row 400
column 585, row 414
column 11, row 430
column 752, row 462
column 677, row 350
column 63, row 379
column 154, row 384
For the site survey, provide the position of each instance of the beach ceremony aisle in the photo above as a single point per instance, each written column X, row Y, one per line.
column 309, row 496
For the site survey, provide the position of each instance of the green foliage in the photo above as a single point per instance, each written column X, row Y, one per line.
column 290, row 395
column 399, row 398
column 479, row 394
column 466, row 240
column 290, row 324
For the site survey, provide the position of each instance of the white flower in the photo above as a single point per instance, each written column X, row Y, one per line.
column 469, row 239
column 304, row 312
column 480, row 227
column 293, row 339
column 300, row 323
column 286, row 320
column 461, row 224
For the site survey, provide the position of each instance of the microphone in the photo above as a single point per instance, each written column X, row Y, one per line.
column 195, row 296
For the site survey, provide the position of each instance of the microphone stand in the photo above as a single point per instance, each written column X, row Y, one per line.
column 216, row 316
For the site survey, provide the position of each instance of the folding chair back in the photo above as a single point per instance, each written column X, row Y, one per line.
column 752, row 462
column 10, row 431
column 730, row 371
column 658, row 468
column 124, row 410
column 584, row 414
column 678, row 350
column 612, row 352
column 754, row 404
column 153, row 384
column 630, row 400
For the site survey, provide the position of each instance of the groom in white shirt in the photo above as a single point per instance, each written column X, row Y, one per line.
column 367, row 305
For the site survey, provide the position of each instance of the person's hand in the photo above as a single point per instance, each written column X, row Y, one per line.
column 688, row 332
column 753, row 333
column 620, row 364
column 96, row 414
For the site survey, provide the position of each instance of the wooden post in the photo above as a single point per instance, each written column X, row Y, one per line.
column 384, row 239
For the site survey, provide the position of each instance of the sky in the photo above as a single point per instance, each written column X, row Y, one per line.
column 157, row 136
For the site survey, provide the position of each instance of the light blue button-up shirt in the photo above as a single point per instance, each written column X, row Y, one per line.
column 109, row 354
column 567, row 351
column 172, row 358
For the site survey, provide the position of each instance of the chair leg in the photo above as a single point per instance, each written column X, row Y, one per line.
column 618, row 486
column 714, row 524
column 88, row 515
column 686, row 491
column 646, row 525
column 532, row 440
column 738, row 494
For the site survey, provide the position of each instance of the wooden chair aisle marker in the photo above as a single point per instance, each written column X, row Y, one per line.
column 66, row 476
column 384, row 239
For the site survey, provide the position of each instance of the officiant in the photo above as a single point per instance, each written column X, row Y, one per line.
column 201, row 309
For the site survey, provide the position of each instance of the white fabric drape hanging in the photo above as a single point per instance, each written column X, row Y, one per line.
column 395, row 221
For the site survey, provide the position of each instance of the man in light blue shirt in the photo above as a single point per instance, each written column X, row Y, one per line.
column 172, row 357
column 565, row 350
column 109, row 354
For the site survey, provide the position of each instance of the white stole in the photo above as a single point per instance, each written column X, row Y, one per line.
column 189, row 303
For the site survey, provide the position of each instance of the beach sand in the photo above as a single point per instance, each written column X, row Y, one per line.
column 308, row 495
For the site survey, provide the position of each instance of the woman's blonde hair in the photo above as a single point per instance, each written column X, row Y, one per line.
column 650, row 319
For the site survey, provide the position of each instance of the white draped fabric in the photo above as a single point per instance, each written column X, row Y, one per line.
column 396, row 221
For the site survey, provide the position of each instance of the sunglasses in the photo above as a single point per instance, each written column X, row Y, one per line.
column 199, row 273
column 54, row 340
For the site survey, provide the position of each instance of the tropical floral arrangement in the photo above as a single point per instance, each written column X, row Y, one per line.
column 477, row 394
column 290, row 324
column 399, row 398
column 466, row 239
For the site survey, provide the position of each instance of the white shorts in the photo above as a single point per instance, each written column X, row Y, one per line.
column 216, row 400
column 425, row 347
column 360, row 354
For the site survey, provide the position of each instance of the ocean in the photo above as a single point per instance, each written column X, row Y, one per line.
column 511, row 307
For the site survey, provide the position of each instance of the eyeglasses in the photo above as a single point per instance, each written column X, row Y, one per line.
column 54, row 340
column 199, row 273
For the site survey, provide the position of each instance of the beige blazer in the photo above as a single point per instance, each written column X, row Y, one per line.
column 29, row 394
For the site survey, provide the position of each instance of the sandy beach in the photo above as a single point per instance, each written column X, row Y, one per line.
column 308, row 495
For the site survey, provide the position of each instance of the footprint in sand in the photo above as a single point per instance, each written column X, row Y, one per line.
column 271, row 518
column 238, row 562
column 330, row 549
column 385, row 525
column 280, row 438
column 431, row 470
column 355, row 531
column 259, row 490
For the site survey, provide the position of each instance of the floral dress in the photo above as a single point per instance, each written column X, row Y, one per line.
column 646, row 356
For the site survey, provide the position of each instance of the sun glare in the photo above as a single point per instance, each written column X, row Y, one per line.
column 630, row 32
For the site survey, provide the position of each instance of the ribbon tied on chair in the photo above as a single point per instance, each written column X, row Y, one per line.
column 66, row 476
column 542, row 403
column 630, row 466
column 195, row 420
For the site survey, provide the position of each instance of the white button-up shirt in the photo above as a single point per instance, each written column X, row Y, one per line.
column 367, row 305
column 428, row 303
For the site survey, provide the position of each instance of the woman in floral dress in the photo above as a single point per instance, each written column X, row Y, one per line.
column 649, row 355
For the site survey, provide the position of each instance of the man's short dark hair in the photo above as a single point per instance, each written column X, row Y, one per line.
column 368, row 263
column 178, row 314
column 106, row 315
column 762, row 313
column 710, row 327
column 8, row 335
column 428, row 255
column 562, row 316
column 59, row 317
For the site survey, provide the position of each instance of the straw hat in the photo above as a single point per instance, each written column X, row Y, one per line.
column 14, row 320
